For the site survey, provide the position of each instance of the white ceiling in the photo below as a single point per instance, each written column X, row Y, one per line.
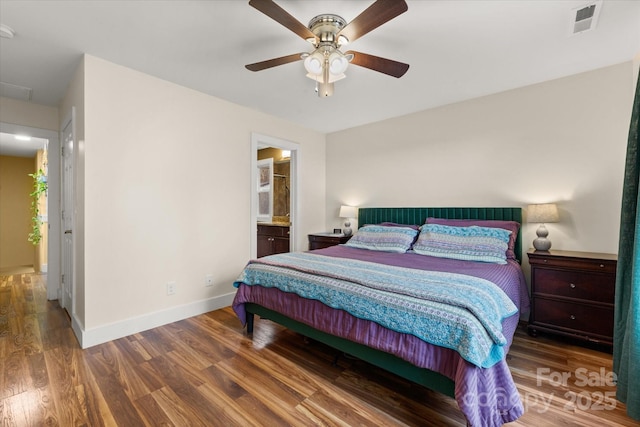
column 457, row 50
column 16, row 147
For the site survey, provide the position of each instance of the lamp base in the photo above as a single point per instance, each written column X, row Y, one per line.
column 542, row 243
column 347, row 229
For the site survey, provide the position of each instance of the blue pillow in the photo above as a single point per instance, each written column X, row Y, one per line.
column 472, row 243
column 383, row 238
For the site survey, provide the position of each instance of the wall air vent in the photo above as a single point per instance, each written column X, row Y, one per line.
column 585, row 18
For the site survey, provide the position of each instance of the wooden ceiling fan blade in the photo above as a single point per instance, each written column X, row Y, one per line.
column 270, row 63
column 278, row 14
column 376, row 63
column 371, row 18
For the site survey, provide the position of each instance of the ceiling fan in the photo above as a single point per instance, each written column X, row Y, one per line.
column 326, row 64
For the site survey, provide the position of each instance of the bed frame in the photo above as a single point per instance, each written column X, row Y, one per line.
column 389, row 362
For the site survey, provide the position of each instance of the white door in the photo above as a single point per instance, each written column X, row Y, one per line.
column 66, row 286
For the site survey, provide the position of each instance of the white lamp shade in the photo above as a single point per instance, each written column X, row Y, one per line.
column 543, row 213
column 337, row 63
column 348, row 211
column 313, row 63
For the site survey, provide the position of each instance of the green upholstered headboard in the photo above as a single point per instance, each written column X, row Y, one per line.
column 417, row 216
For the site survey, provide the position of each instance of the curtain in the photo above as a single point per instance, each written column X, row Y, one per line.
column 626, row 334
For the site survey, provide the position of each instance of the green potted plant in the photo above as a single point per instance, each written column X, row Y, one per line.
column 39, row 188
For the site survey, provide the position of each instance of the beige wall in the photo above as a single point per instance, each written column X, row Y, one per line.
column 15, row 211
column 160, row 204
column 560, row 141
column 28, row 114
column 152, row 208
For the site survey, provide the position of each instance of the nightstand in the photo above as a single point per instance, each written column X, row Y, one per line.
column 324, row 240
column 572, row 294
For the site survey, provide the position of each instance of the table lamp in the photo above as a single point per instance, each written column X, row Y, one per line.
column 348, row 212
column 542, row 213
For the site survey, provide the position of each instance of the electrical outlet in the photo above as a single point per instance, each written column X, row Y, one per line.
column 171, row 288
column 208, row 280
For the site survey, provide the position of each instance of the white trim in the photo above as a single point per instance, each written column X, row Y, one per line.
column 77, row 328
column 113, row 331
column 70, row 120
column 258, row 141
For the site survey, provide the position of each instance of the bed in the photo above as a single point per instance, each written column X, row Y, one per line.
column 363, row 300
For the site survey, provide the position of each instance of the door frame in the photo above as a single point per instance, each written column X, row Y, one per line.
column 70, row 121
column 53, row 200
column 259, row 141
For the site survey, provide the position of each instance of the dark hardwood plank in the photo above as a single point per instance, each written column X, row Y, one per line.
column 206, row 371
column 151, row 412
column 63, row 379
column 14, row 381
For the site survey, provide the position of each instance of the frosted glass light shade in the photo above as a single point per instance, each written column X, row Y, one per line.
column 337, row 63
column 313, row 63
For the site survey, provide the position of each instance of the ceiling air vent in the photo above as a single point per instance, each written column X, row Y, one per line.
column 585, row 18
column 15, row 91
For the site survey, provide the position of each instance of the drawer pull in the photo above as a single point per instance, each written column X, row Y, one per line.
column 572, row 285
column 601, row 265
column 572, row 317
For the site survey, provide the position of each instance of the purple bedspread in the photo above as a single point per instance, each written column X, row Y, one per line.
column 486, row 396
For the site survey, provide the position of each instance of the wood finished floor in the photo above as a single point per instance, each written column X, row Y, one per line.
column 204, row 371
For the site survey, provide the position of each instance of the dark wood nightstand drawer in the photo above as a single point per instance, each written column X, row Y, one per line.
column 575, row 284
column 572, row 294
column 572, row 261
column 325, row 240
column 577, row 317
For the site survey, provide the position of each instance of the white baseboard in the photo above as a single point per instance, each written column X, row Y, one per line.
column 77, row 327
column 110, row 332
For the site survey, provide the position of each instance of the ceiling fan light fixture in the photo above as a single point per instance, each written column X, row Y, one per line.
column 337, row 63
column 319, row 79
column 313, row 63
column 325, row 89
column 336, row 77
column 327, row 33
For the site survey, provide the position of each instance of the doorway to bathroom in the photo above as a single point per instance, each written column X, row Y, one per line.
column 274, row 178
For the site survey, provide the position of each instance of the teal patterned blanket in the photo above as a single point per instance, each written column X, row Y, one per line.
column 450, row 310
